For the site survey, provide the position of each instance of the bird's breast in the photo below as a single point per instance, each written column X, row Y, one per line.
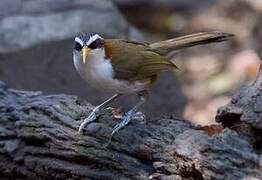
column 99, row 73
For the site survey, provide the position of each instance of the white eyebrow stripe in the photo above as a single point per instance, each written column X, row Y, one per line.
column 93, row 38
column 77, row 39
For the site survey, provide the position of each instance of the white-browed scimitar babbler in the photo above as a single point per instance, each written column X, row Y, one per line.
column 128, row 67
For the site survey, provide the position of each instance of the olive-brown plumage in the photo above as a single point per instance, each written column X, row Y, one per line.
column 136, row 61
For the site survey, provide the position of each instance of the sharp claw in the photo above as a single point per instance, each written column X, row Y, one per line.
column 92, row 117
column 130, row 113
column 116, row 126
column 96, row 112
column 114, row 131
column 108, row 143
column 122, row 124
column 80, row 130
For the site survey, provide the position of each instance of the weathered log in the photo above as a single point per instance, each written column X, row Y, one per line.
column 39, row 140
column 244, row 113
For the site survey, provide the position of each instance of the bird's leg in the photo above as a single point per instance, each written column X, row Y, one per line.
column 130, row 113
column 95, row 112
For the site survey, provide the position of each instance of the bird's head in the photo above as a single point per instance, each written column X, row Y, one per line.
column 86, row 46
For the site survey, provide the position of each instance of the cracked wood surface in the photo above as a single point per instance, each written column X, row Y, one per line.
column 244, row 113
column 39, row 140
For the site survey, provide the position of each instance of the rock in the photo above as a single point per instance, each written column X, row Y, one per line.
column 244, row 112
column 25, row 23
column 39, row 139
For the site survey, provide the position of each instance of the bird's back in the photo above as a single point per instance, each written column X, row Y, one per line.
column 133, row 60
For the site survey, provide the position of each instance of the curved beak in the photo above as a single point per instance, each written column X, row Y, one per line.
column 85, row 53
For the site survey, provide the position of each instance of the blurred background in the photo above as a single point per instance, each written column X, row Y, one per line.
column 36, row 39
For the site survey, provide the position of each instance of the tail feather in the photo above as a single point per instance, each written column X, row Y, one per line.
column 164, row 47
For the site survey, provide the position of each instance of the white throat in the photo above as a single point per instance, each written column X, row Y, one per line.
column 99, row 73
column 97, row 70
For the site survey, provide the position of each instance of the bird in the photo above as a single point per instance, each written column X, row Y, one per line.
column 128, row 67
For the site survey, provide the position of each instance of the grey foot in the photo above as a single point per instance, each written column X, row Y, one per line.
column 117, row 127
column 138, row 116
column 126, row 119
column 92, row 117
column 123, row 123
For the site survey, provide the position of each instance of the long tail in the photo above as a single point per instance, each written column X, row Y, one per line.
column 164, row 47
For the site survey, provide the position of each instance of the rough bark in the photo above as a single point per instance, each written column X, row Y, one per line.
column 39, row 140
column 244, row 113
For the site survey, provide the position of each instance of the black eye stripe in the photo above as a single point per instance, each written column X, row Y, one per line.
column 78, row 46
column 96, row 44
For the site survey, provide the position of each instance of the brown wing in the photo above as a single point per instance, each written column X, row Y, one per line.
column 132, row 61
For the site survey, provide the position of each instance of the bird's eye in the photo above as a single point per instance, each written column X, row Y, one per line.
column 78, row 46
column 96, row 44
